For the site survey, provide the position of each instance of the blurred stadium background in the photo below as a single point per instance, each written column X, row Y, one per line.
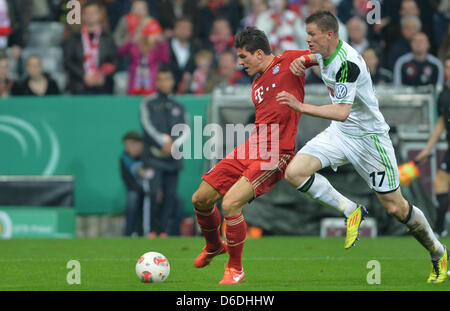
column 60, row 169
column 59, row 159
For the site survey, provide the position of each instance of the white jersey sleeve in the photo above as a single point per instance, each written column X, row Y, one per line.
column 348, row 80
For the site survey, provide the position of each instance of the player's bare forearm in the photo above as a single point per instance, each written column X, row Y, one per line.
column 336, row 112
column 439, row 128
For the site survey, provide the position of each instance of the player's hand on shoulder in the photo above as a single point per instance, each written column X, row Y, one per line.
column 297, row 66
column 285, row 98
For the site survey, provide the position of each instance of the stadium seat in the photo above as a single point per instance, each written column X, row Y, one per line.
column 61, row 80
column 120, row 82
column 45, row 34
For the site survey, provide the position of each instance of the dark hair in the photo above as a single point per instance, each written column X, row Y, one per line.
column 33, row 56
column 252, row 39
column 164, row 68
column 325, row 21
column 132, row 136
column 183, row 18
column 90, row 3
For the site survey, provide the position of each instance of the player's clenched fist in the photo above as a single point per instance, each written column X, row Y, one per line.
column 297, row 66
column 285, row 98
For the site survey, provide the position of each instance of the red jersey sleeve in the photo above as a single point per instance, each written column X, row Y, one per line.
column 293, row 54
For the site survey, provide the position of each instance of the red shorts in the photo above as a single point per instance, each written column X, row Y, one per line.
column 262, row 173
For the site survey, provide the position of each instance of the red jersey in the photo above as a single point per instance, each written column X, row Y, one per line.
column 269, row 112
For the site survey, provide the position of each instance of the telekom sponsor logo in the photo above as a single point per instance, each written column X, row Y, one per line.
column 198, row 142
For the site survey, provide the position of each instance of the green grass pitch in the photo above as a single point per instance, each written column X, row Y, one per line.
column 270, row 263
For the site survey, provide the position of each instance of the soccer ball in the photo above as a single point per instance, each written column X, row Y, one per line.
column 152, row 267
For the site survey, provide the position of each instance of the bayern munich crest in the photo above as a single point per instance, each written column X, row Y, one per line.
column 276, row 69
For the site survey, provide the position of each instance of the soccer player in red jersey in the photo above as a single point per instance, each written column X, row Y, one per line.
column 254, row 167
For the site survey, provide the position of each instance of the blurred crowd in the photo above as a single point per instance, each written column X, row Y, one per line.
column 120, row 44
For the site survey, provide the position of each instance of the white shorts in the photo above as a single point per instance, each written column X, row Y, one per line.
column 372, row 156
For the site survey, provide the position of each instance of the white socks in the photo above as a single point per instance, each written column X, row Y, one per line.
column 319, row 189
column 421, row 230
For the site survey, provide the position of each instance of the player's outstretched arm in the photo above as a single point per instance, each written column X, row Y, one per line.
column 337, row 112
column 299, row 65
column 439, row 128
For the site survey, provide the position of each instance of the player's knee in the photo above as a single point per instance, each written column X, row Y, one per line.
column 199, row 201
column 294, row 177
column 229, row 207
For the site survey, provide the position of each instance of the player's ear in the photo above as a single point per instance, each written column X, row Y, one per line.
column 259, row 54
column 330, row 34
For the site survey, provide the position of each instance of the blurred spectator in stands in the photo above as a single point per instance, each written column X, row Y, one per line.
column 350, row 8
column 169, row 11
column 182, row 50
column 6, row 83
column 379, row 74
column 196, row 83
column 357, row 34
column 419, row 67
column 116, row 9
column 131, row 171
column 36, row 82
column 13, row 28
column 90, row 57
column 158, row 114
column 441, row 23
column 444, row 48
column 221, row 37
column 285, row 30
column 259, row 12
column 103, row 17
column 129, row 22
column 441, row 182
column 396, row 11
column 209, row 10
column 305, row 8
column 227, row 73
column 329, row 5
column 147, row 49
column 410, row 26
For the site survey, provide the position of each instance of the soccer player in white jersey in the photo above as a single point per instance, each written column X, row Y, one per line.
column 358, row 134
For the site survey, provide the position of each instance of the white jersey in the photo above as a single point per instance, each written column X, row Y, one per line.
column 348, row 80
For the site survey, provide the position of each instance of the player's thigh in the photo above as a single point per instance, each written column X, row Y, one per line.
column 394, row 203
column 441, row 182
column 205, row 196
column 239, row 194
column 301, row 168
column 327, row 148
column 374, row 159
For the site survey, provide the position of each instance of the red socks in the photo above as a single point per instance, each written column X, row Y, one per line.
column 209, row 221
column 236, row 232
